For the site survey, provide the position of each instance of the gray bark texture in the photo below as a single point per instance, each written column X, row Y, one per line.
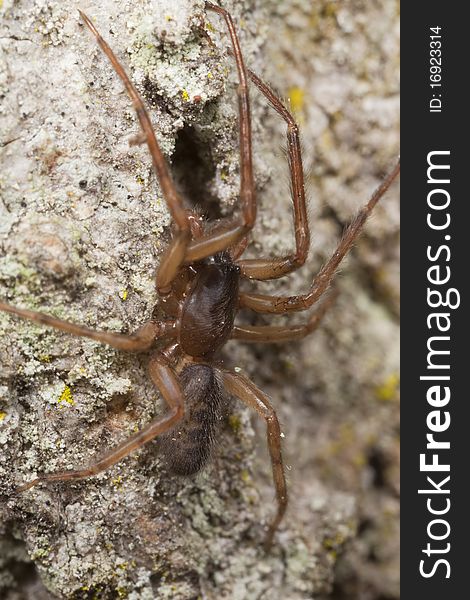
column 82, row 226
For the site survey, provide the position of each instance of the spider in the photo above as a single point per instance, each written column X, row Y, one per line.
column 197, row 283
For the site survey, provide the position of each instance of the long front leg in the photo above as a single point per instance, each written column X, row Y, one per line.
column 173, row 199
column 141, row 340
column 241, row 387
column 173, row 258
column 262, row 269
column 283, row 304
column 228, row 236
column 167, row 382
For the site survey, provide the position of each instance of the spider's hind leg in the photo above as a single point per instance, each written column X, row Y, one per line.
column 165, row 379
column 241, row 387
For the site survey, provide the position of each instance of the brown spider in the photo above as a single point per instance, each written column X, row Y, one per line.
column 198, row 284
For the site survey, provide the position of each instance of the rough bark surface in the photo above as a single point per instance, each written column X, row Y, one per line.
column 82, row 226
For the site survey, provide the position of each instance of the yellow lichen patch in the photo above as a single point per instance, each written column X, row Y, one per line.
column 331, row 9
column 123, row 295
column 331, row 543
column 245, row 476
column 313, row 21
column 185, row 95
column 2, row 415
column 210, row 76
column 297, row 99
column 117, row 482
column 288, row 364
column 40, row 553
column 359, row 459
column 333, row 555
column 45, row 358
column 210, row 27
column 66, row 397
column 388, row 390
column 235, row 423
column 168, row 18
column 140, row 180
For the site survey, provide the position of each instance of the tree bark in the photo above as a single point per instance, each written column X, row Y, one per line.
column 82, row 226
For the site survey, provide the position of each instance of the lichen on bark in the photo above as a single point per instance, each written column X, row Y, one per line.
column 82, row 225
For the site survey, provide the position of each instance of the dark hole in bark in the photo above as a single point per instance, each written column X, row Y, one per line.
column 21, row 578
column 378, row 464
column 193, row 170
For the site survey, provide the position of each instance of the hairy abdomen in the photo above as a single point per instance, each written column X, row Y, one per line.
column 188, row 445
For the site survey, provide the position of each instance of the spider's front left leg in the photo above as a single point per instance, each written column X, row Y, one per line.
column 165, row 379
column 173, row 257
column 282, row 304
column 181, row 249
column 241, row 387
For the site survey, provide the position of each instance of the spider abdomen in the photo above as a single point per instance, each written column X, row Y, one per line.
column 187, row 447
column 209, row 309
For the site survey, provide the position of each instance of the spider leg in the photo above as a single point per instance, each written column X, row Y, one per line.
column 224, row 237
column 173, row 258
column 241, row 387
column 288, row 333
column 273, row 268
column 239, row 248
column 141, row 340
column 282, row 304
column 165, row 379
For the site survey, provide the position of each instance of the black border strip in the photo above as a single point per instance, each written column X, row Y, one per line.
column 423, row 132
